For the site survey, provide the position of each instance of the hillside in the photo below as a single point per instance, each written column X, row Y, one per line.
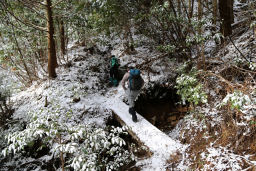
column 213, row 137
column 196, row 110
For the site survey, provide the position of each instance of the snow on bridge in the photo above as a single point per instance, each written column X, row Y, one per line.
column 160, row 145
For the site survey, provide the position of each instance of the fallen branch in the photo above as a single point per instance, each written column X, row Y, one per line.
column 150, row 60
column 229, row 84
column 238, row 49
column 243, row 70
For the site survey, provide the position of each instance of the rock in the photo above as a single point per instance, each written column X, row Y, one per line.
column 76, row 99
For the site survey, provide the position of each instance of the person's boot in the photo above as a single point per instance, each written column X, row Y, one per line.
column 115, row 82
column 133, row 113
column 134, row 117
column 130, row 110
column 110, row 83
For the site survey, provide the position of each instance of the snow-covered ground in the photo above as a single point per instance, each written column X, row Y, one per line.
column 83, row 89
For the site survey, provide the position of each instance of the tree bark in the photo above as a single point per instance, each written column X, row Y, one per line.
column 179, row 7
column 200, row 10
column 200, row 49
column 62, row 38
column 215, row 11
column 190, row 8
column 52, row 60
column 226, row 16
column 232, row 11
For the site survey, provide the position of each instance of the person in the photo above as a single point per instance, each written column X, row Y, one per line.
column 135, row 83
column 114, row 64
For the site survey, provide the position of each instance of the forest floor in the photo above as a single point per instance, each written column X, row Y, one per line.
column 207, row 137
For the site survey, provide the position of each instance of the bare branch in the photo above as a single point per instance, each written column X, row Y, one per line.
column 32, row 9
column 238, row 49
column 23, row 22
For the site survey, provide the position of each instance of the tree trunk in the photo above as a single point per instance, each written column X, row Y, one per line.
column 190, row 8
column 200, row 10
column 232, row 11
column 200, row 49
column 62, row 38
column 52, row 60
column 179, row 7
column 226, row 16
column 215, row 11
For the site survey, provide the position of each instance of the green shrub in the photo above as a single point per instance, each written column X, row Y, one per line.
column 90, row 148
column 189, row 87
column 237, row 100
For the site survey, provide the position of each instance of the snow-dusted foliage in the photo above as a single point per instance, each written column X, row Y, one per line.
column 190, row 89
column 5, row 88
column 252, row 66
column 199, row 38
column 89, row 147
column 237, row 100
column 222, row 159
column 102, row 150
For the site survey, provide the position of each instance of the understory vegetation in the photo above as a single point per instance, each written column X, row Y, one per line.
column 86, row 147
column 53, row 102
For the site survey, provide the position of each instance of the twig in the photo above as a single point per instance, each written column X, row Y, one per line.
column 23, row 21
column 142, row 65
column 230, row 85
column 238, row 49
column 243, row 70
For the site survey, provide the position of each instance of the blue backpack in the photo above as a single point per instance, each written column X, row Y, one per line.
column 135, row 80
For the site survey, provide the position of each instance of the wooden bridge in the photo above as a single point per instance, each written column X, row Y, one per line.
column 160, row 145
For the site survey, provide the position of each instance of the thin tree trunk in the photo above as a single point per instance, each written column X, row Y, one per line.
column 132, row 41
column 215, row 11
column 200, row 49
column 207, row 4
column 61, row 154
column 176, row 25
column 22, row 58
column 179, row 7
column 200, row 10
column 38, row 57
column 52, row 59
column 254, row 31
column 190, row 8
column 40, row 54
column 62, row 38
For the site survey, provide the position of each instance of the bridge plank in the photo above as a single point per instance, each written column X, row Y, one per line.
column 160, row 145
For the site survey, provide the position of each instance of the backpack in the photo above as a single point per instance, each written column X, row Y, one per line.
column 114, row 62
column 135, row 80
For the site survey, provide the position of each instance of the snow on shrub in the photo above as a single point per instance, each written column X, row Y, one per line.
column 237, row 100
column 222, row 159
column 190, row 89
column 90, row 148
column 252, row 66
